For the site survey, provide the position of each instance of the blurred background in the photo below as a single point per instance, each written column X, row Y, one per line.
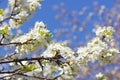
column 74, row 21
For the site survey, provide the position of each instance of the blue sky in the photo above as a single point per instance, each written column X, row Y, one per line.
column 47, row 14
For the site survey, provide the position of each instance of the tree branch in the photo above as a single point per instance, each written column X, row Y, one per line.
column 30, row 59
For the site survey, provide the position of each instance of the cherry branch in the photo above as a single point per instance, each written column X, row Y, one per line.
column 11, row 14
column 56, row 59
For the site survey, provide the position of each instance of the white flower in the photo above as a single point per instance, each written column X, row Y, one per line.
column 97, row 48
column 100, row 76
column 60, row 49
column 20, row 79
column 18, row 2
column 33, row 5
column 33, row 40
column 11, row 2
column 82, row 51
column 1, row 17
column 92, row 51
column 19, row 19
column 23, row 10
column 23, row 62
column 107, row 32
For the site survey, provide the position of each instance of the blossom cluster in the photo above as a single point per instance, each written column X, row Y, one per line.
column 105, row 32
column 60, row 49
column 57, row 59
column 21, row 10
column 64, row 54
column 100, row 76
column 99, row 48
column 38, row 37
column 63, row 63
column 66, row 63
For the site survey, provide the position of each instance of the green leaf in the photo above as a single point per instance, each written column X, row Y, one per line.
column 4, row 31
column 1, row 31
column 45, row 62
column 48, row 34
column 29, row 67
column 45, row 46
column 2, row 12
column 81, row 62
column 102, row 78
column 53, row 70
column 108, row 32
column 41, row 32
